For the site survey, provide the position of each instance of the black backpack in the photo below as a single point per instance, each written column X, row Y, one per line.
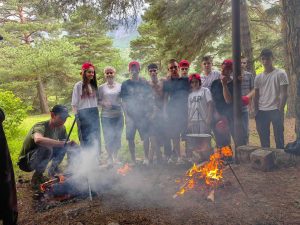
column 293, row 148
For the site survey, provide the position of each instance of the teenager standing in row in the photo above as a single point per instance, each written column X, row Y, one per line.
column 111, row 114
column 85, row 107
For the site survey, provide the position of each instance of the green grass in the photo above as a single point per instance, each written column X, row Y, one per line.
column 15, row 141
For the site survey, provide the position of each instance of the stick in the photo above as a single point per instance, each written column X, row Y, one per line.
column 242, row 188
column 90, row 190
column 68, row 137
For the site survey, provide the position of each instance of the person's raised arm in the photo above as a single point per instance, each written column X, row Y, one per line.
column 226, row 93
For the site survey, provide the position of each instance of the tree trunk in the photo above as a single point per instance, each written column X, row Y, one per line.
column 42, row 96
column 246, row 43
column 291, row 33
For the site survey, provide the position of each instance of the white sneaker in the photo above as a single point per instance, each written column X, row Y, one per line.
column 170, row 161
column 110, row 161
column 146, row 162
column 179, row 161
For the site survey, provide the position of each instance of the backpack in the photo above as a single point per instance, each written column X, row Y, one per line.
column 293, row 148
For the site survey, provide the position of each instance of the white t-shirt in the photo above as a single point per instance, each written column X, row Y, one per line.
column 206, row 80
column 81, row 102
column 269, row 88
column 111, row 95
column 198, row 104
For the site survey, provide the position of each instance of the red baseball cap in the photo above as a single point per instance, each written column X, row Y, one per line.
column 134, row 63
column 194, row 76
column 227, row 63
column 184, row 63
column 87, row 65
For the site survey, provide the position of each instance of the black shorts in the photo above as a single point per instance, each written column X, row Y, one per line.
column 133, row 125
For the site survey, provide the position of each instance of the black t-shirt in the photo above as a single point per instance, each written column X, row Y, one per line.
column 138, row 97
column 178, row 91
column 217, row 94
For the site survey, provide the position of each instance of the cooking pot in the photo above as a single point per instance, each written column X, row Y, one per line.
column 199, row 144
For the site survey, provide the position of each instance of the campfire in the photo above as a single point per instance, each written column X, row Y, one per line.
column 65, row 186
column 209, row 173
column 124, row 170
column 47, row 186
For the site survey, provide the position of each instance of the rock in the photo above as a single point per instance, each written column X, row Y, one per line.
column 113, row 223
column 243, row 153
column 262, row 159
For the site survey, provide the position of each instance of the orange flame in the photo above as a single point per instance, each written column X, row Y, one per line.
column 57, row 179
column 124, row 170
column 211, row 172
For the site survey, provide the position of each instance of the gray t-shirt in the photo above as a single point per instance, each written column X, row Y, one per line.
column 111, row 95
column 207, row 80
column 269, row 88
column 247, row 83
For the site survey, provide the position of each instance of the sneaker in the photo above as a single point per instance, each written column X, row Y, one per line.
column 146, row 162
column 110, row 161
column 179, row 161
column 171, row 161
column 37, row 179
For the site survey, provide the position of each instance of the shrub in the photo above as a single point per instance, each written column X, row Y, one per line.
column 15, row 111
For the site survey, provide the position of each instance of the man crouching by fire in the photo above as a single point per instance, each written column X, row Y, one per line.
column 45, row 142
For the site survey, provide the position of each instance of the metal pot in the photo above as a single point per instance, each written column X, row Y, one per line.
column 199, row 144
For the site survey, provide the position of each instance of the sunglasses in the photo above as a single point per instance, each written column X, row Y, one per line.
column 90, row 71
column 244, row 62
column 173, row 68
column 184, row 68
column 109, row 73
column 206, row 63
column 152, row 71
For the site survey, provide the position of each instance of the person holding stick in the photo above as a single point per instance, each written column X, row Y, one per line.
column 45, row 142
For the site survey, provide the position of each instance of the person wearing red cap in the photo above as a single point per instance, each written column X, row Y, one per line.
column 136, row 95
column 184, row 67
column 199, row 107
column 222, row 92
column 208, row 75
column 176, row 91
column 85, row 107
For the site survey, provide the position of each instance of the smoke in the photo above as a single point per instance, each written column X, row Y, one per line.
column 139, row 186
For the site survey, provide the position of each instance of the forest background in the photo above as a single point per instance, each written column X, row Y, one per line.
column 46, row 41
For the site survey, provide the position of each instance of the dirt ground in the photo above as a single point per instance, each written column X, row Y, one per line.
column 146, row 199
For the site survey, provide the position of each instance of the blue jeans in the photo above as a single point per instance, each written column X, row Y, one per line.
column 245, row 127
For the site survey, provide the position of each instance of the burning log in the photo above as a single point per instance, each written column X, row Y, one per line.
column 57, row 179
column 210, row 172
column 211, row 195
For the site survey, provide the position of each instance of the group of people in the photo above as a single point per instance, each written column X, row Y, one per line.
column 162, row 110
